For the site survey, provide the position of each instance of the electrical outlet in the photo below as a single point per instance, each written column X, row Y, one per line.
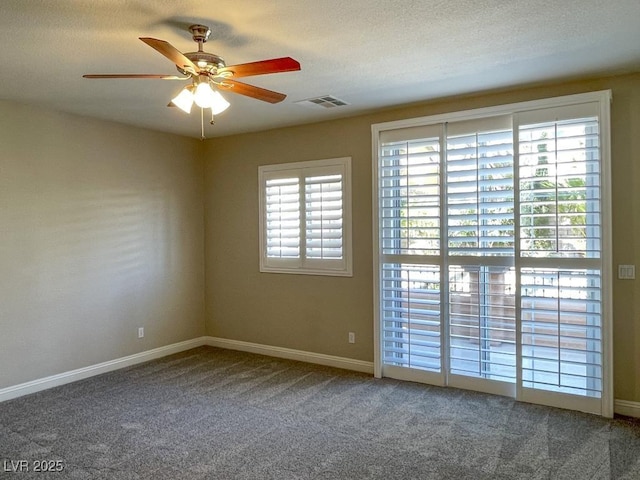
column 140, row 332
column 352, row 337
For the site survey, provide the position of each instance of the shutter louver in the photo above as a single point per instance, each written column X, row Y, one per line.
column 324, row 217
column 411, row 316
column 561, row 330
column 480, row 194
column 560, row 189
column 482, row 322
column 410, row 197
column 283, row 218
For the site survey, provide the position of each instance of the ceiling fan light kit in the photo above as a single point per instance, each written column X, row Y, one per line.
column 184, row 100
column 209, row 73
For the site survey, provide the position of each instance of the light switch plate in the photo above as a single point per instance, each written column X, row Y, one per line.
column 626, row 272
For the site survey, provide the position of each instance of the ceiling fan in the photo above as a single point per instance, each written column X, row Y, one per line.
column 209, row 74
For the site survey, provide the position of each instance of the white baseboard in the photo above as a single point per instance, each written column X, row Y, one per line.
column 627, row 408
column 33, row 386
column 92, row 370
column 621, row 407
column 290, row 354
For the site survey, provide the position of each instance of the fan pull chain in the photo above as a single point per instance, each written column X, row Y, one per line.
column 202, row 137
column 211, row 122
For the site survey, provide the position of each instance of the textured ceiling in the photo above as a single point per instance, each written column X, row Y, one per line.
column 369, row 53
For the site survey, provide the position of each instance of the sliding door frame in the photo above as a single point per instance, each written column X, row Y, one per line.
column 603, row 98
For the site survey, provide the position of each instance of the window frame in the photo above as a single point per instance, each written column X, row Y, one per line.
column 303, row 265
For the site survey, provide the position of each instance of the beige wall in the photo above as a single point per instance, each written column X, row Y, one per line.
column 314, row 313
column 310, row 313
column 101, row 232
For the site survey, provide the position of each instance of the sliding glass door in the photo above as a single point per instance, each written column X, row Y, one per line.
column 490, row 253
column 561, row 255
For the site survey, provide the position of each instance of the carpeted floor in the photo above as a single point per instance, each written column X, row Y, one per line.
column 219, row 414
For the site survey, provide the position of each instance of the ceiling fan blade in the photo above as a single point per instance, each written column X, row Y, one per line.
column 135, row 75
column 251, row 91
column 172, row 53
column 275, row 65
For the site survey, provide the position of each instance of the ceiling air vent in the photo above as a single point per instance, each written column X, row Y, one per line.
column 326, row 101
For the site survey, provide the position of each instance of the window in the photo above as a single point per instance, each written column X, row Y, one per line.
column 493, row 270
column 305, row 217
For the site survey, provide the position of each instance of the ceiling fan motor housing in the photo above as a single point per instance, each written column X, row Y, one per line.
column 208, row 62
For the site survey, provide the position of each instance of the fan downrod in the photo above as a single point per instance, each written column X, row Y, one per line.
column 207, row 62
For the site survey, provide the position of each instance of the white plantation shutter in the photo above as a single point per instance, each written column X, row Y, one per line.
column 562, row 330
column 411, row 316
column 305, row 219
column 282, row 197
column 560, row 188
column 410, row 193
column 480, row 188
column 480, row 226
column 492, row 251
column 324, row 216
column 561, row 254
column 409, row 205
column 482, row 322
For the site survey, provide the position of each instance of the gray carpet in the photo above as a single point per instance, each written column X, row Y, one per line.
column 218, row 414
